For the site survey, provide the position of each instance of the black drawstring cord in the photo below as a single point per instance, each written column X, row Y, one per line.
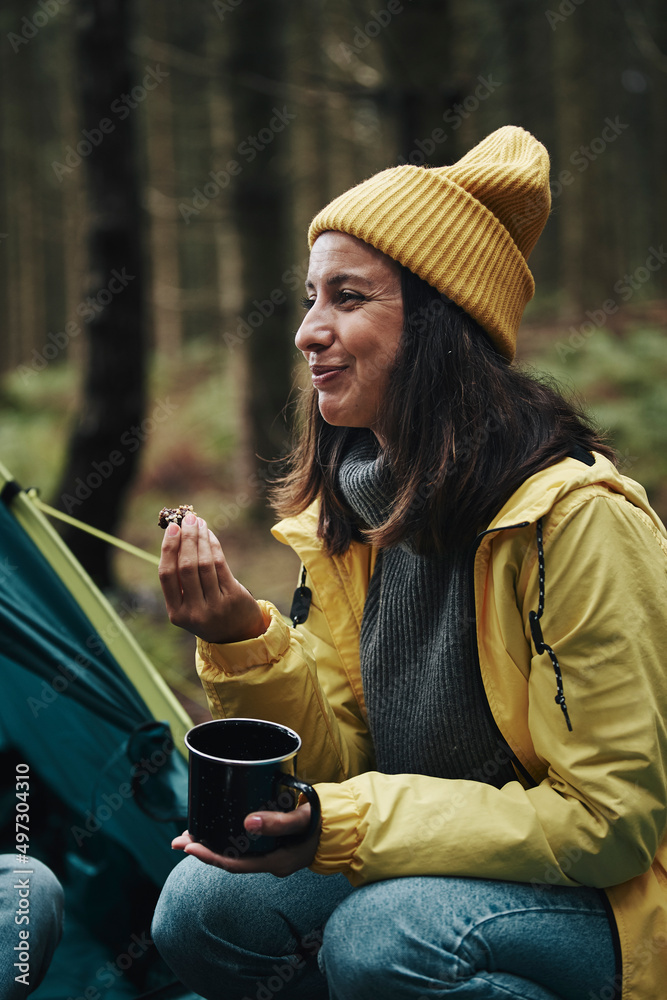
column 536, row 629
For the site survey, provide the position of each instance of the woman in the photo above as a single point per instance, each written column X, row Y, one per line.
column 477, row 679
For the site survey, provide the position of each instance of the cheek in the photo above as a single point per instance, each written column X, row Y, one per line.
column 380, row 360
column 374, row 372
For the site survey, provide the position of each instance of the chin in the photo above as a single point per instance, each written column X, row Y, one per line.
column 332, row 415
column 338, row 417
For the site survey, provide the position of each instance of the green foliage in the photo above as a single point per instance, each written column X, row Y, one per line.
column 621, row 380
column 35, row 414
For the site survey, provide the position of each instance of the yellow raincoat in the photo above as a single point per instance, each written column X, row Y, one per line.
column 589, row 806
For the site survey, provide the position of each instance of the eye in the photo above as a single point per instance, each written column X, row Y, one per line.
column 307, row 303
column 344, row 295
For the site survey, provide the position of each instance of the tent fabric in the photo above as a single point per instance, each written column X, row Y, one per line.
column 102, row 734
column 94, row 605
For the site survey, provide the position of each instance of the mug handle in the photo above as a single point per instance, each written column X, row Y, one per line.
column 315, row 810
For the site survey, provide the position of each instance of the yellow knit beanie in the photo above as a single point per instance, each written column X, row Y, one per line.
column 466, row 229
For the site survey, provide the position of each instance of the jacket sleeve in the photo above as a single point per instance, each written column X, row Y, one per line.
column 293, row 676
column 599, row 812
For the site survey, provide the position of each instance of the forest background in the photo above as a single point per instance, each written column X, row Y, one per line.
column 161, row 161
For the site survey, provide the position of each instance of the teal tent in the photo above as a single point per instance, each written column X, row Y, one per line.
column 102, row 736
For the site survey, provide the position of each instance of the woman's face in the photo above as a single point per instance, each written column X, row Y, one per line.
column 352, row 328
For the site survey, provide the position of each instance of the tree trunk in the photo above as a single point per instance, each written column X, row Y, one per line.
column 163, row 237
column 420, row 86
column 262, row 114
column 107, row 438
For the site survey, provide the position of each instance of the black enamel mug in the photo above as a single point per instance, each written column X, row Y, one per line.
column 237, row 767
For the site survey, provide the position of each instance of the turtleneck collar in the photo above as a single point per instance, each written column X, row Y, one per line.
column 364, row 479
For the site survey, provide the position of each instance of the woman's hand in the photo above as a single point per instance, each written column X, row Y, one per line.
column 281, row 862
column 201, row 594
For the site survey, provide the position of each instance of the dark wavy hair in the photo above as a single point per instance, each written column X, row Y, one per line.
column 464, row 428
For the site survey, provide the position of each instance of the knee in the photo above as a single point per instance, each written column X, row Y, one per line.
column 359, row 948
column 203, row 909
column 211, row 926
column 178, row 916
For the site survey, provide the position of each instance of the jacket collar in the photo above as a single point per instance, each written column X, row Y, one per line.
column 533, row 499
column 538, row 494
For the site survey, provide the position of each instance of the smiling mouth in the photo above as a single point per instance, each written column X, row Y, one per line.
column 322, row 374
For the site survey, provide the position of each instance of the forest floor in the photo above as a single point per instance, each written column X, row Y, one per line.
column 190, row 454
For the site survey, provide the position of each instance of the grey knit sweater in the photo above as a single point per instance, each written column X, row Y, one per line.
column 427, row 709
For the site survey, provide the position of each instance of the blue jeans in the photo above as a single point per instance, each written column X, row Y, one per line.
column 256, row 937
column 31, row 890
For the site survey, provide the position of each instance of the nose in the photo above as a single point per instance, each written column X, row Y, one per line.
column 316, row 331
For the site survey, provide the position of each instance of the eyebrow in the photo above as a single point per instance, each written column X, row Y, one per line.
column 339, row 279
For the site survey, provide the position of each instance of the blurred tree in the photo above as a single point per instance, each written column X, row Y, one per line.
column 419, row 83
column 22, row 217
column 161, row 177
column 108, row 434
column 263, row 112
column 191, row 73
column 572, row 126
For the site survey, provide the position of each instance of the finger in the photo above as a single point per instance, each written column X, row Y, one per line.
column 168, row 568
column 178, row 843
column 281, row 862
column 188, row 557
column 226, row 578
column 208, row 571
column 210, row 857
column 277, row 862
column 186, row 842
column 279, row 824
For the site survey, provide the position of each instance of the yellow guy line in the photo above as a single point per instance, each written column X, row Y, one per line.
column 118, row 542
